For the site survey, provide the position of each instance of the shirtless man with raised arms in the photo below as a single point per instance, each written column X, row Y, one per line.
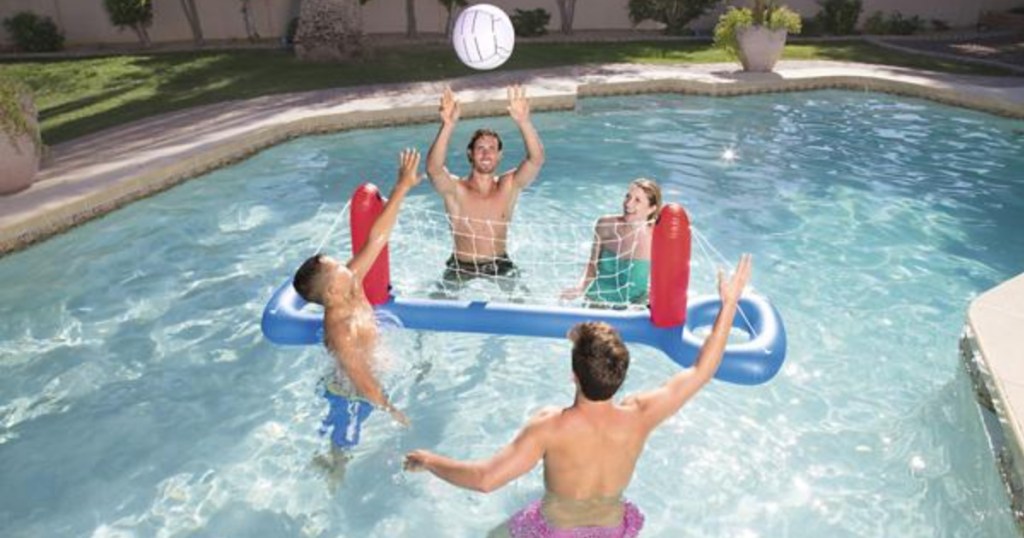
column 480, row 205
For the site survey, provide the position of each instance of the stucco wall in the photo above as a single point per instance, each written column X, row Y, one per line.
column 86, row 22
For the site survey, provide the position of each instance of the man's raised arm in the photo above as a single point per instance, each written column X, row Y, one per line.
column 519, row 109
column 661, row 403
column 408, row 177
column 440, row 177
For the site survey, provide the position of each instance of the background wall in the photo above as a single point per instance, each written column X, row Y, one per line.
column 85, row 22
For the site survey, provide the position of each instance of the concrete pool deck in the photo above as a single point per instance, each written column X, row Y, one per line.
column 88, row 177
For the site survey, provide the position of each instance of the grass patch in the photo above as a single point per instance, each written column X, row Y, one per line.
column 81, row 96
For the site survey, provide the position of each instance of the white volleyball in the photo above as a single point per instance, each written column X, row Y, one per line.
column 483, row 36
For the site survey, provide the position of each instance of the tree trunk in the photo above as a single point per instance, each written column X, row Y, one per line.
column 449, row 24
column 250, row 26
column 192, row 15
column 140, row 30
column 567, row 11
column 410, row 18
column 330, row 30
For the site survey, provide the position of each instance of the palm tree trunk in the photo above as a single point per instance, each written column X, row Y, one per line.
column 250, row 26
column 410, row 18
column 567, row 11
column 192, row 15
column 140, row 30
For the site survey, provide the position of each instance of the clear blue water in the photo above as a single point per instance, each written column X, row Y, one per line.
column 138, row 397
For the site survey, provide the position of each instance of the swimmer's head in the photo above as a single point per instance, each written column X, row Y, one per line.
column 484, row 150
column 649, row 190
column 599, row 359
column 311, row 278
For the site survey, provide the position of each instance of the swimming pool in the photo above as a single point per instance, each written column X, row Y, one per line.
column 138, row 396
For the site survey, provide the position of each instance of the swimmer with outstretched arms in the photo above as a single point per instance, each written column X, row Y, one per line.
column 590, row 449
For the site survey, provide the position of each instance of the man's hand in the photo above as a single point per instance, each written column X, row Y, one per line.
column 730, row 291
column 408, row 168
column 449, row 107
column 518, row 106
column 571, row 293
column 398, row 416
column 416, row 461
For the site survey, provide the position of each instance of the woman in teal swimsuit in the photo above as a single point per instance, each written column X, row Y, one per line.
column 620, row 259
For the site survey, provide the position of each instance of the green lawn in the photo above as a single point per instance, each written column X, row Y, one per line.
column 78, row 97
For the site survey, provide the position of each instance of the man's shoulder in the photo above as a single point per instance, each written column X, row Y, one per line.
column 545, row 417
column 547, row 412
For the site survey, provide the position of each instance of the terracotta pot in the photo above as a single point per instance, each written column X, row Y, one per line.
column 20, row 154
column 760, row 47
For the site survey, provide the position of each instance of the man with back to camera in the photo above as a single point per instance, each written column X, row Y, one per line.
column 480, row 206
column 590, row 448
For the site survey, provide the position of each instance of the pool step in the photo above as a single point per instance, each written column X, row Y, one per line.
column 994, row 359
column 1006, row 448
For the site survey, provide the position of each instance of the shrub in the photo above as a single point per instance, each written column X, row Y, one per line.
column 674, row 14
column 289, row 34
column 531, row 23
column 129, row 13
column 13, row 121
column 811, row 26
column 134, row 14
column 838, row 17
column 900, row 25
column 33, row 33
column 876, row 24
column 774, row 18
column 896, row 24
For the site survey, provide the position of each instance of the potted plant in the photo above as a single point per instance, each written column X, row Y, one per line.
column 20, row 145
column 756, row 35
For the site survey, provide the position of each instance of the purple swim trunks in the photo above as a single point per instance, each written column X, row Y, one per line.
column 530, row 523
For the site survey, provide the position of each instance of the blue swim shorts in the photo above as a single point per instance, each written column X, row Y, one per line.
column 345, row 418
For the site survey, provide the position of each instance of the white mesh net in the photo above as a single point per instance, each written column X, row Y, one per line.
column 549, row 258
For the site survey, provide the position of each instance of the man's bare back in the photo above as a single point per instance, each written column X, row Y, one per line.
column 590, row 455
column 590, row 449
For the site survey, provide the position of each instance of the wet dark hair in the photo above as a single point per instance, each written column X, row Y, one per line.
column 599, row 359
column 306, row 279
column 476, row 136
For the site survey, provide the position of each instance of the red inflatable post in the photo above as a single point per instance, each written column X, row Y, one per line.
column 670, row 266
column 367, row 203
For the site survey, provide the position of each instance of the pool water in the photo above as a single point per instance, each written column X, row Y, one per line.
column 138, row 396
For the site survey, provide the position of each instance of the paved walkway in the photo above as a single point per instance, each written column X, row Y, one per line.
column 998, row 49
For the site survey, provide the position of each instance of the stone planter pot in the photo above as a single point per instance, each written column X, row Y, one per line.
column 760, row 47
column 20, row 153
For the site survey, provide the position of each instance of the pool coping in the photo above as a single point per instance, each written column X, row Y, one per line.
column 994, row 359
